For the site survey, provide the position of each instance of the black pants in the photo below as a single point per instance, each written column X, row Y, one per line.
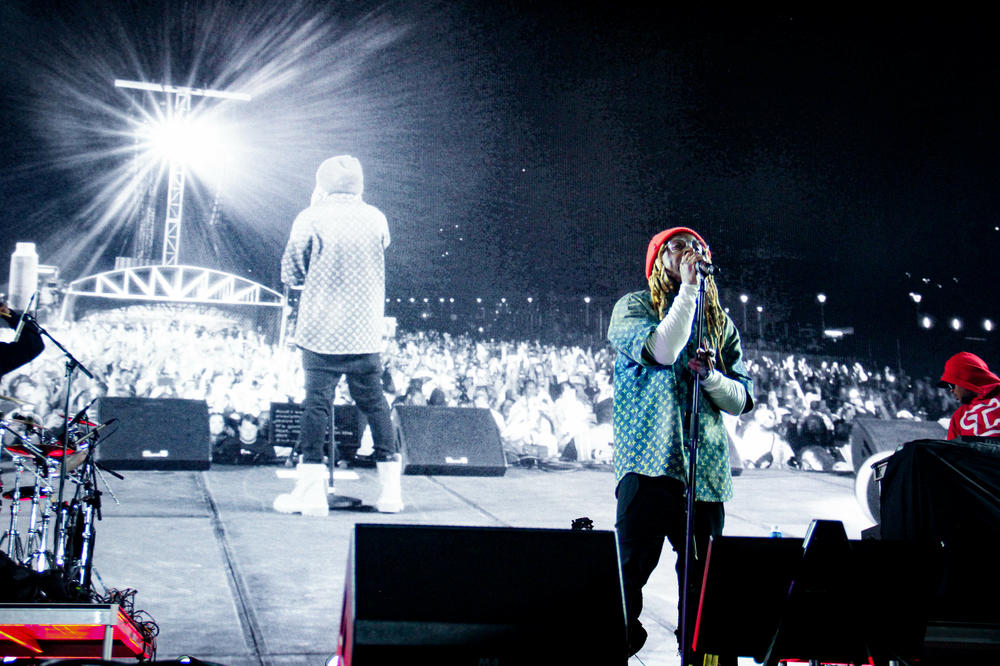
column 649, row 509
column 364, row 381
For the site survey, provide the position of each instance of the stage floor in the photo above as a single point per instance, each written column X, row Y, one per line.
column 228, row 580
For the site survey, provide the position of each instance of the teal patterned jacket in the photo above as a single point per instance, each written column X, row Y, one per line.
column 651, row 401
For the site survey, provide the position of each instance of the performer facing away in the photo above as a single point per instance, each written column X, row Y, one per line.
column 653, row 332
column 978, row 391
column 336, row 253
column 15, row 354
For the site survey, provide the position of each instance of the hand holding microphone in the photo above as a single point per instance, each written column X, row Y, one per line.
column 706, row 268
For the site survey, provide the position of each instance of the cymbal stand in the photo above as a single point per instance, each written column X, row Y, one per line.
column 35, row 545
column 38, row 534
column 14, row 546
column 72, row 364
column 78, row 563
column 84, row 563
column 60, row 546
column 104, row 480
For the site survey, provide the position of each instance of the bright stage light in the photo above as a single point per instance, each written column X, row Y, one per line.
column 200, row 144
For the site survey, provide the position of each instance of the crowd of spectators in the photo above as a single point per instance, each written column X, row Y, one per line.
column 550, row 402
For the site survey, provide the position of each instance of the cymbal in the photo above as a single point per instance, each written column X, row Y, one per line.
column 74, row 460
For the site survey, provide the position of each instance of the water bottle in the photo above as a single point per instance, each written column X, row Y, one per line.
column 775, row 532
column 23, row 275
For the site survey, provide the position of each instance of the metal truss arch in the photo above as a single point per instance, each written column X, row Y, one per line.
column 175, row 284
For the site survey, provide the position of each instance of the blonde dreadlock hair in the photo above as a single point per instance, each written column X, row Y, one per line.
column 661, row 286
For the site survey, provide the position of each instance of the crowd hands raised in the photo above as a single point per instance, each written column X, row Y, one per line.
column 806, row 406
column 550, row 402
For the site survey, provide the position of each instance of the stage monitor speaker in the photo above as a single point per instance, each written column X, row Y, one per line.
column 155, row 433
column 449, row 440
column 426, row 594
column 871, row 435
column 755, row 587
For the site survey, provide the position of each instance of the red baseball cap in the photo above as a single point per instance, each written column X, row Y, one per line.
column 659, row 239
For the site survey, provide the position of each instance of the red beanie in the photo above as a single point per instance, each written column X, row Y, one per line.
column 659, row 239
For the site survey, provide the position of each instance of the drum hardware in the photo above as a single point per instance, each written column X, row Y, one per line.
column 72, row 365
column 38, row 526
column 66, row 454
column 13, row 538
column 60, row 550
column 72, row 539
column 70, row 451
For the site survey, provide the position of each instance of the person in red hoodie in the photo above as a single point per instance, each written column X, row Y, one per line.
column 978, row 390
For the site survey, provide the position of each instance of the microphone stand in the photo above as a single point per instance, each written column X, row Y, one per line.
column 72, row 364
column 692, row 445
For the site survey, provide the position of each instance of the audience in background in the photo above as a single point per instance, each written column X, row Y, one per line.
column 546, row 399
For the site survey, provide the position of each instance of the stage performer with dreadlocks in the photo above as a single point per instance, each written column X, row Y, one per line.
column 653, row 333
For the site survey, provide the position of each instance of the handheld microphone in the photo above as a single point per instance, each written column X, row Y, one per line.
column 705, row 269
column 20, row 324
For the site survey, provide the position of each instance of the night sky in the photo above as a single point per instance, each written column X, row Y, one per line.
column 533, row 148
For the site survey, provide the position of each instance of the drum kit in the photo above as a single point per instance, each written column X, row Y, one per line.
column 50, row 530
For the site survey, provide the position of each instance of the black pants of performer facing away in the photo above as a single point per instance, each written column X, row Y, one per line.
column 364, row 381
column 649, row 509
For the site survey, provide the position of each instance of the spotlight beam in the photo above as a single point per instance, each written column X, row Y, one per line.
column 175, row 185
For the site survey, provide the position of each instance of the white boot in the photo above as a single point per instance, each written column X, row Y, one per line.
column 390, row 496
column 309, row 495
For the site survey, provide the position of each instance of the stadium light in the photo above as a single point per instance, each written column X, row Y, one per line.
column 185, row 140
column 988, row 325
column 926, row 322
column 956, row 324
column 198, row 143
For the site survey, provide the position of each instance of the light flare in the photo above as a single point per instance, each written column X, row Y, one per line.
column 323, row 81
